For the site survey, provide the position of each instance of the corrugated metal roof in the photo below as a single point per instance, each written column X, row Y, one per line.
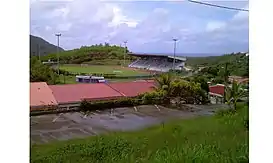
column 217, row 89
column 131, row 89
column 41, row 95
column 71, row 93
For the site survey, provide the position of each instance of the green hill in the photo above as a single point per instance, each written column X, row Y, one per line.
column 39, row 45
column 90, row 53
column 238, row 63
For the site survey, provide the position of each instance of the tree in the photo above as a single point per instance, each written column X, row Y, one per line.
column 164, row 83
column 189, row 92
column 234, row 93
column 42, row 73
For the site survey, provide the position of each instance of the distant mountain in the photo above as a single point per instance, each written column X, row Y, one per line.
column 37, row 44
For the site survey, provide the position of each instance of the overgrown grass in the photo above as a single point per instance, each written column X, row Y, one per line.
column 107, row 69
column 218, row 139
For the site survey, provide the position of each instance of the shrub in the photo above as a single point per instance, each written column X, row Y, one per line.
column 97, row 105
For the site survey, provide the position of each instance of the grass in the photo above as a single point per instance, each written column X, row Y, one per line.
column 102, row 69
column 109, row 62
column 218, row 139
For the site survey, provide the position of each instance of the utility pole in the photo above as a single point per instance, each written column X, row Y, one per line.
column 174, row 51
column 58, row 58
column 125, row 51
column 226, row 74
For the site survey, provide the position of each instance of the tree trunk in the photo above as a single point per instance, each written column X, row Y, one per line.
column 235, row 105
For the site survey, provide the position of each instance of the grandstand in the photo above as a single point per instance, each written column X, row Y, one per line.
column 157, row 62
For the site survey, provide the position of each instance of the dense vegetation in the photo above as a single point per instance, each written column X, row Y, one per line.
column 90, row 53
column 42, row 73
column 238, row 64
column 39, row 45
column 220, row 138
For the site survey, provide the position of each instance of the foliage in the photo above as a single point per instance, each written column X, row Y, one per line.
column 187, row 91
column 238, row 64
column 234, row 93
column 41, row 73
column 98, row 105
column 204, row 139
column 90, row 53
column 154, row 97
column 164, row 82
column 200, row 79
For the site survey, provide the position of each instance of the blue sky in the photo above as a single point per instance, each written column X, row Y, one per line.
column 149, row 26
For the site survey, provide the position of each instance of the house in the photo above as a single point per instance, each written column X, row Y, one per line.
column 217, row 93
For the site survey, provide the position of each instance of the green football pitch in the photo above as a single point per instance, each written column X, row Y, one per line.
column 103, row 69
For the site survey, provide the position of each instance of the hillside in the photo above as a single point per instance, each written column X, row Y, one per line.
column 38, row 44
column 90, row 53
column 238, row 64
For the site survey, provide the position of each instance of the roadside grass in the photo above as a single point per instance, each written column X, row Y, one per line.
column 107, row 69
column 222, row 138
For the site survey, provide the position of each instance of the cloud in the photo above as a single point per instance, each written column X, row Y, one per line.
column 149, row 28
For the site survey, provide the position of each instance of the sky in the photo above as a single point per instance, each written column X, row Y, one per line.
column 147, row 26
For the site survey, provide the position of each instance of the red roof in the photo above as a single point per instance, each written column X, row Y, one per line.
column 41, row 95
column 217, row 89
column 132, row 89
column 77, row 92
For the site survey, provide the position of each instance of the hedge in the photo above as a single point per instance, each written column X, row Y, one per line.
column 144, row 99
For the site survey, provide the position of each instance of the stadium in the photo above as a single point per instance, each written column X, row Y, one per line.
column 162, row 63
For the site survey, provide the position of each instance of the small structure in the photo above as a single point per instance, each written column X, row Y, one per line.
column 216, row 93
column 90, row 79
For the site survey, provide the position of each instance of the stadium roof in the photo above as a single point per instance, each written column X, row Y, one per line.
column 41, row 95
column 132, row 89
column 178, row 58
column 158, row 55
column 72, row 93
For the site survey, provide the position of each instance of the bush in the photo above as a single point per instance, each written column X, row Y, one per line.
column 153, row 97
column 97, row 105
column 143, row 99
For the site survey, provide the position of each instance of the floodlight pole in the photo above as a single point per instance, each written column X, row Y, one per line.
column 174, row 51
column 58, row 58
column 125, row 51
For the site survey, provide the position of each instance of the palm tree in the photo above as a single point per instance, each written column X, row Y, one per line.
column 234, row 93
column 164, row 83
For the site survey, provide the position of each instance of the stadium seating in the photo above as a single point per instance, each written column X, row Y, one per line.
column 161, row 63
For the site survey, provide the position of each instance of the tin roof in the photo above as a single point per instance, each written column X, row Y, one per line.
column 71, row 93
column 217, row 89
column 131, row 89
column 41, row 95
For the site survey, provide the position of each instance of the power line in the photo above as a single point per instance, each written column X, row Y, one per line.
column 219, row 6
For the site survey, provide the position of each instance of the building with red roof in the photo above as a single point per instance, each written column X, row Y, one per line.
column 75, row 93
column 71, row 95
column 132, row 89
column 41, row 96
column 217, row 92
